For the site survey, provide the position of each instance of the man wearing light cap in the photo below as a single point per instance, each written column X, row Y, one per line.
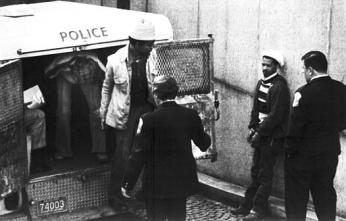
column 126, row 95
column 267, row 129
column 163, row 148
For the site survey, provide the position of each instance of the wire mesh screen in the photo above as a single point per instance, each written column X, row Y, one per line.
column 11, row 96
column 13, row 160
column 188, row 62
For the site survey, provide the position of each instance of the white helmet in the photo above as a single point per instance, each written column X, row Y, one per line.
column 276, row 55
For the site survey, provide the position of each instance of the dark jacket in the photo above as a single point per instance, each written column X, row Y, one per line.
column 278, row 99
column 163, row 146
column 317, row 117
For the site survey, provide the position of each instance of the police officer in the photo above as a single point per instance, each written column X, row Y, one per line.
column 267, row 129
column 312, row 146
column 163, row 148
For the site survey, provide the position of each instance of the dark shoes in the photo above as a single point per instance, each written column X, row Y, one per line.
column 254, row 216
column 240, row 211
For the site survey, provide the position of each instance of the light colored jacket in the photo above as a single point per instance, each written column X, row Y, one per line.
column 116, row 99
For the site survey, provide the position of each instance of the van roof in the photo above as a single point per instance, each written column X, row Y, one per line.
column 58, row 26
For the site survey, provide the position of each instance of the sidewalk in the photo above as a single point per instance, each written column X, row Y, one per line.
column 198, row 208
column 232, row 194
column 214, row 203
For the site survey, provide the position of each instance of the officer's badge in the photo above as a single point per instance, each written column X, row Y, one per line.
column 140, row 124
column 296, row 100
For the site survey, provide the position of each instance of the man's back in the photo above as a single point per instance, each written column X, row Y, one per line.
column 323, row 102
column 170, row 163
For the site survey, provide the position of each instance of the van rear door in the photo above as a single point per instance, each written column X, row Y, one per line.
column 190, row 62
column 13, row 153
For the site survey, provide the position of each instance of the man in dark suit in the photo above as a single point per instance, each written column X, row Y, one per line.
column 312, row 146
column 163, row 147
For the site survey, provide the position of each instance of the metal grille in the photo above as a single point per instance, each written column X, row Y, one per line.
column 84, row 190
column 11, row 96
column 13, row 162
column 188, row 62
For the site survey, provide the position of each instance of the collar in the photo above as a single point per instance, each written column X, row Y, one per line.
column 270, row 77
column 124, row 53
column 168, row 103
column 319, row 76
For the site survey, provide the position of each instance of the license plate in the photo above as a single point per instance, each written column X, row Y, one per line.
column 52, row 206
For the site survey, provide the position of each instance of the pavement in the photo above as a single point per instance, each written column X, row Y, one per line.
column 198, row 208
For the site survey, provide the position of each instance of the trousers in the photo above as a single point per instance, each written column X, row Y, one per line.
column 315, row 174
column 92, row 94
column 123, row 146
column 35, row 126
column 263, row 162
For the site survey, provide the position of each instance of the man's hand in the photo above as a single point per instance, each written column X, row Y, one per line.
column 125, row 193
column 250, row 134
column 37, row 101
column 343, row 132
column 255, row 139
column 213, row 154
column 103, row 119
column 103, row 124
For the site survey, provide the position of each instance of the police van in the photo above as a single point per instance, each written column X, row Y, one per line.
column 33, row 36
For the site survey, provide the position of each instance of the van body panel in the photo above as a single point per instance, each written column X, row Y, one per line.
column 58, row 26
column 13, row 152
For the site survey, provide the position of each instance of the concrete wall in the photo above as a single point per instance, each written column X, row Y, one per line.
column 242, row 29
column 178, row 11
column 337, row 57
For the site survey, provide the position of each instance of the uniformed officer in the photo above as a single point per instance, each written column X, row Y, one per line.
column 163, row 148
column 312, row 146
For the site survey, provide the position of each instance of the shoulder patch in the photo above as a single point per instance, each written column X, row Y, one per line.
column 296, row 100
column 140, row 124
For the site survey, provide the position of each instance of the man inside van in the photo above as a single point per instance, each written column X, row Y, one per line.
column 126, row 95
column 35, row 126
column 267, row 129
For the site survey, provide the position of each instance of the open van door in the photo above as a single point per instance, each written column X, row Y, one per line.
column 190, row 62
column 13, row 152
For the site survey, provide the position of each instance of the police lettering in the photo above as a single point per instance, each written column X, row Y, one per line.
column 84, row 34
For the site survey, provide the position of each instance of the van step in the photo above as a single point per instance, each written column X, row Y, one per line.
column 15, row 216
column 83, row 214
column 61, row 193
